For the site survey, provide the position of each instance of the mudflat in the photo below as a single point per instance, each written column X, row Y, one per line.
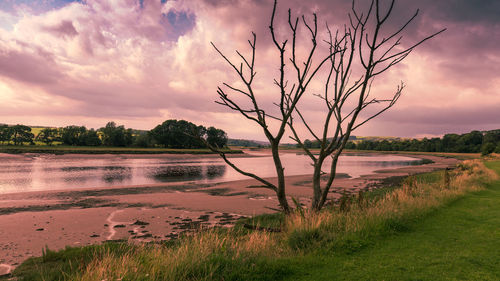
column 31, row 221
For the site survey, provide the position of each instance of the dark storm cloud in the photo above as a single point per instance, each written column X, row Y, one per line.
column 483, row 11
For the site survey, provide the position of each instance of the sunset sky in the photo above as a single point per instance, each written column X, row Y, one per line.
column 139, row 63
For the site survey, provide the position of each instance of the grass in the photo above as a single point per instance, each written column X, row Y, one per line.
column 52, row 264
column 420, row 231
column 459, row 242
column 457, row 155
column 102, row 150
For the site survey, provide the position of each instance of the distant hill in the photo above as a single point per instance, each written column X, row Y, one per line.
column 375, row 138
column 246, row 143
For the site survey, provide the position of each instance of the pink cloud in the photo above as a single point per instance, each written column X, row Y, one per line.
column 64, row 28
column 28, row 67
column 117, row 60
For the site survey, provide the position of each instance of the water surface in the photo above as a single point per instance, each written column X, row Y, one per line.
column 53, row 172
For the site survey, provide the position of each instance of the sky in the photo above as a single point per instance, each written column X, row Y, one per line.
column 140, row 62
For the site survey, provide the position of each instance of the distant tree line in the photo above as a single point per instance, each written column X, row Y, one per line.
column 245, row 143
column 169, row 134
column 17, row 134
column 473, row 142
column 184, row 134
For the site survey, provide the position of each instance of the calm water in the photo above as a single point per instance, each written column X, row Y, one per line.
column 52, row 172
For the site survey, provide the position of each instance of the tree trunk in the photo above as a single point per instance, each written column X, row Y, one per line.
column 333, row 172
column 317, row 184
column 281, row 193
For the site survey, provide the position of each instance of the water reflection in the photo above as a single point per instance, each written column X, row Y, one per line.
column 76, row 180
column 216, row 171
column 176, row 173
column 72, row 169
column 391, row 163
column 7, row 168
column 50, row 172
column 116, row 178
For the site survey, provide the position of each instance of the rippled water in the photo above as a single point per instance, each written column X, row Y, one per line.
column 52, row 172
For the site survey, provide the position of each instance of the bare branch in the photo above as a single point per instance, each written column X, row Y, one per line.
column 266, row 183
column 306, row 124
column 296, row 138
column 391, row 103
column 414, row 46
column 237, row 90
column 398, row 31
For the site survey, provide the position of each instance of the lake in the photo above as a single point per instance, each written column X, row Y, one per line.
column 33, row 172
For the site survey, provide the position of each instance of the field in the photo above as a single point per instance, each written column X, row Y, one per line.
column 420, row 231
column 102, row 150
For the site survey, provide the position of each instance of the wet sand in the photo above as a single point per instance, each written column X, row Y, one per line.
column 31, row 221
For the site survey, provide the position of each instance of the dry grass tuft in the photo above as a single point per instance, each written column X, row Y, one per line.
column 190, row 260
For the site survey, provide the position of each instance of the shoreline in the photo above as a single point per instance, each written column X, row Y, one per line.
column 89, row 150
column 78, row 217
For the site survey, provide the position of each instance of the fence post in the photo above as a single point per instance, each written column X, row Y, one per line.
column 447, row 178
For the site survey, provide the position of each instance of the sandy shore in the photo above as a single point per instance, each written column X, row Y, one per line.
column 32, row 221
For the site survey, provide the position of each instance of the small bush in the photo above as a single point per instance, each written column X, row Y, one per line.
column 487, row 148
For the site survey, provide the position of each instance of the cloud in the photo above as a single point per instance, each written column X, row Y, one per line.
column 63, row 29
column 28, row 67
column 150, row 60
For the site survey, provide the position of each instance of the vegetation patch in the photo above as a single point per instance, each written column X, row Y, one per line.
column 173, row 134
column 104, row 150
column 474, row 142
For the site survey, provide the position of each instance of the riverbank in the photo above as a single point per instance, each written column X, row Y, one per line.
column 309, row 243
column 56, row 219
column 11, row 149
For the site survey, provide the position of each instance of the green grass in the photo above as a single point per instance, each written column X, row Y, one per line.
column 418, row 232
column 267, row 220
column 458, row 242
column 101, row 150
column 392, row 183
column 36, row 130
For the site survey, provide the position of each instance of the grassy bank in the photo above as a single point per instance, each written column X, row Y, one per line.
column 457, row 242
column 102, row 150
column 356, row 240
column 461, row 156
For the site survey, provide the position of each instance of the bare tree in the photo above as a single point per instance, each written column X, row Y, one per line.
column 359, row 46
